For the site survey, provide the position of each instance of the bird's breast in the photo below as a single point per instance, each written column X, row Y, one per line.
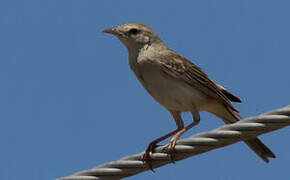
column 173, row 94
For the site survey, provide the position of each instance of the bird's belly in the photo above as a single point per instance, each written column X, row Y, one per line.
column 171, row 93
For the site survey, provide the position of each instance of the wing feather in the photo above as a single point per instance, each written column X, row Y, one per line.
column 182, row 69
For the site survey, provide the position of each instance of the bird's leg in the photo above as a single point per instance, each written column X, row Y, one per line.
column 170, row 146
column 147, row 155
column 180, row 126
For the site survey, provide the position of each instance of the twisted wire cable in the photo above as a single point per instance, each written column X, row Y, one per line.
column 194, row 145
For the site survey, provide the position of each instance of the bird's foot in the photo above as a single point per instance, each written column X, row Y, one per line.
column 147, row 155
column 170, row 149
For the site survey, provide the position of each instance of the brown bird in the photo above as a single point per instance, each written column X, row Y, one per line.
column 178, row 85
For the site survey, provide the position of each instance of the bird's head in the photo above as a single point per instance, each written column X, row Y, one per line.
column 134, row 35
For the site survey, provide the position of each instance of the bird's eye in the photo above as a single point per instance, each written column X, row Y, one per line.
column 134, row 31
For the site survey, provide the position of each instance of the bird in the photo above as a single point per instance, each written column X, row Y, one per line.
column 178, row 85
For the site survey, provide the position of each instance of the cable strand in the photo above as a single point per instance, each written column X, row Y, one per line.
column 194, row 145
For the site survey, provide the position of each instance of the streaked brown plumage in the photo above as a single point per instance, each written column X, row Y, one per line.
column 177, row 84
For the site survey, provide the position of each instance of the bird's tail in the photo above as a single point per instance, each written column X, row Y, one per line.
column 260, row 149
column 229, row 116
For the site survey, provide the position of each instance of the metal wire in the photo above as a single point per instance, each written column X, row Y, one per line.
column 196, row 144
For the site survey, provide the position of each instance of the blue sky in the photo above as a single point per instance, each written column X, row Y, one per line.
column 69, row 100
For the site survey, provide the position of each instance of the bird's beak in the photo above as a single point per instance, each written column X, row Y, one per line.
column 111, row 31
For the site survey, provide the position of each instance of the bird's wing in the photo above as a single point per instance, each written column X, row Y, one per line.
column 228, row 94
column 180, row 68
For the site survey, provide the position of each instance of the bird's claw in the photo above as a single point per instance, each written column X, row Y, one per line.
column 147, row 156
column 170, row 149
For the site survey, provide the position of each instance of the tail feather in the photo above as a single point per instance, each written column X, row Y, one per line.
column 260, row 149
column 229, row 116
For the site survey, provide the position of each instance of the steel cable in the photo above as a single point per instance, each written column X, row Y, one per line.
column 194, row 145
